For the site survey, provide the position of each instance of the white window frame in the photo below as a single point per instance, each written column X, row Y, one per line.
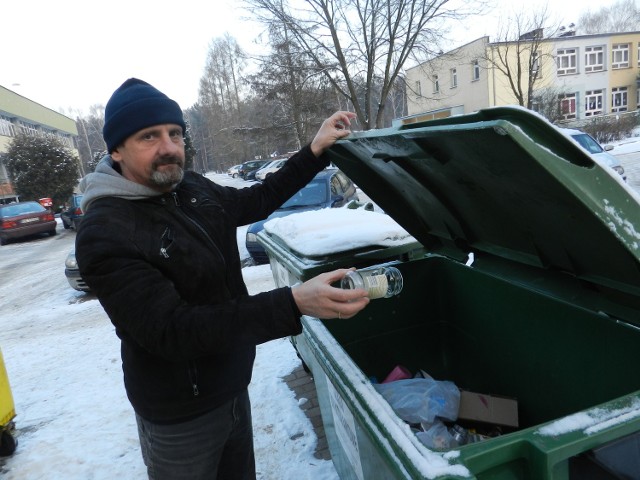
column 475, row 71
column 7, row 127
column 619, row 99
column 567, row 61
column 454, row 77
column 28, row 128
column 594, row 59
column 418, row 88
column 570, row 100
column 593, row 103
column 436, row 84
column 620, row 55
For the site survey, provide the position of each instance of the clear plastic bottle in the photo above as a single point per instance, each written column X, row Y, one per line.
column 379, row 281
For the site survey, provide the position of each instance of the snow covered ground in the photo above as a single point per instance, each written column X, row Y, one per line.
column 63, row 361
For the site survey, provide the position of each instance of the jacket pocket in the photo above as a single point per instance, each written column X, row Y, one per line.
column 166, row 243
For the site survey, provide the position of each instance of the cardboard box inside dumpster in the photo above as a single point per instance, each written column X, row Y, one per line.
column 493, row 409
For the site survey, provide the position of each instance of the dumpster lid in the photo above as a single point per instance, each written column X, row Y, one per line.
column 505, row 182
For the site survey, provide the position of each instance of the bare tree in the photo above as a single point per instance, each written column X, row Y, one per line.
column 361, row 46
column 622, row 16
column 219, row 106
column 550, row 103
column 90, row 141
column 220, row 84
column 518, row 53
column 288, row 78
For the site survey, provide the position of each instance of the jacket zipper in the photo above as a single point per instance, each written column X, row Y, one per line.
column 193, row 371
column 165, row 241
column 193, row 378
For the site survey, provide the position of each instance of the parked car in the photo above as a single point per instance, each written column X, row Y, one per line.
column 23, row 219
column 330, row 188
column 72, row 272
column 248, row 169
column 594, row 149
column 270, row 168
column 234, row 171
column 72, row 214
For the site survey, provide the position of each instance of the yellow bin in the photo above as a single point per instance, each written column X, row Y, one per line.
column 7, row 413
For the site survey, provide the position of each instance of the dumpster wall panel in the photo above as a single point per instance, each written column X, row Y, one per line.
column 489, row 335
column 549, row 354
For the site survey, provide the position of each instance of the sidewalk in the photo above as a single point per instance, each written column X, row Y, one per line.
column 631, row 164
column 304, row 387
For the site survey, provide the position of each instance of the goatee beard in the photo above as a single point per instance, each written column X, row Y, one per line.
column 169, row 176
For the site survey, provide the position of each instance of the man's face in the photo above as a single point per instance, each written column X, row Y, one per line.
column 153, row 156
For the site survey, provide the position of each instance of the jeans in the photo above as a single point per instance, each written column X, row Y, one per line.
column 217, row 445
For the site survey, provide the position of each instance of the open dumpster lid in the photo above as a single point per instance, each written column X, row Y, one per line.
column 505, row 182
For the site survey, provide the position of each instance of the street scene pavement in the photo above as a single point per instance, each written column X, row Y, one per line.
column 631, row 163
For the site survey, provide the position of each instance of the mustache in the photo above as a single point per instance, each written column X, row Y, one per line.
column 172, row 160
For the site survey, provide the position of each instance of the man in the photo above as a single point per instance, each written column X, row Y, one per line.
column 158, row 247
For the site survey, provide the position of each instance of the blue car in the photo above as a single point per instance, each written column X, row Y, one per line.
column 72, row 214
column 330, row 188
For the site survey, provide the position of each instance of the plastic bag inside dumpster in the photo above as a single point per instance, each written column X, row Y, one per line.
column 548, row 312
column 422, row 400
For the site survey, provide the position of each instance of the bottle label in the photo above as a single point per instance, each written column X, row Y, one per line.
column 376, row 285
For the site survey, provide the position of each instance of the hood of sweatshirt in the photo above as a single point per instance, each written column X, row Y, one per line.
column 106, row 181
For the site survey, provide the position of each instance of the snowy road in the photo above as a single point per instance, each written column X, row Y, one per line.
column 74, row 421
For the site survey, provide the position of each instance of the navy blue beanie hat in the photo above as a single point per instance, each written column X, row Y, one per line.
column 136, row 105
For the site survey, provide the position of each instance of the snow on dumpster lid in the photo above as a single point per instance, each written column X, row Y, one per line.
column 333, row 230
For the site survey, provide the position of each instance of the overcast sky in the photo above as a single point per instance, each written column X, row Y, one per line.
column 71, row 54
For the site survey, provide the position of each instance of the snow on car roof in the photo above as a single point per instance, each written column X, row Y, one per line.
column 333, row 230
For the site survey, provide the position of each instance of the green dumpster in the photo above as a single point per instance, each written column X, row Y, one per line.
column 528, row 293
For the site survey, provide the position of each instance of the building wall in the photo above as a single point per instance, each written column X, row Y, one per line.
column 500, row 90
column 580, row 85
column 19, row 114
column 470, row 92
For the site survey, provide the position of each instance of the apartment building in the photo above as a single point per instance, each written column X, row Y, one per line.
column 589, row 75
column 21, row 115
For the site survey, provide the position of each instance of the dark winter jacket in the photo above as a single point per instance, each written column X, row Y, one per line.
column 167, row 271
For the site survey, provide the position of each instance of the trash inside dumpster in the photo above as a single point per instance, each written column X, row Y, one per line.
column 527, row 300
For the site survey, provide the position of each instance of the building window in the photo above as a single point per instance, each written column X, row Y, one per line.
column 536, row 71
column 418, row 89
column 593, row 103
column 639, row 53
column 567, row 104
column 620, row 55
column 454, row 78
column 6, row 127
column 567, row 61
column 594, row 59
column 619, row 99
column 436, row 84
column 28, row 128
column 475, row 73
